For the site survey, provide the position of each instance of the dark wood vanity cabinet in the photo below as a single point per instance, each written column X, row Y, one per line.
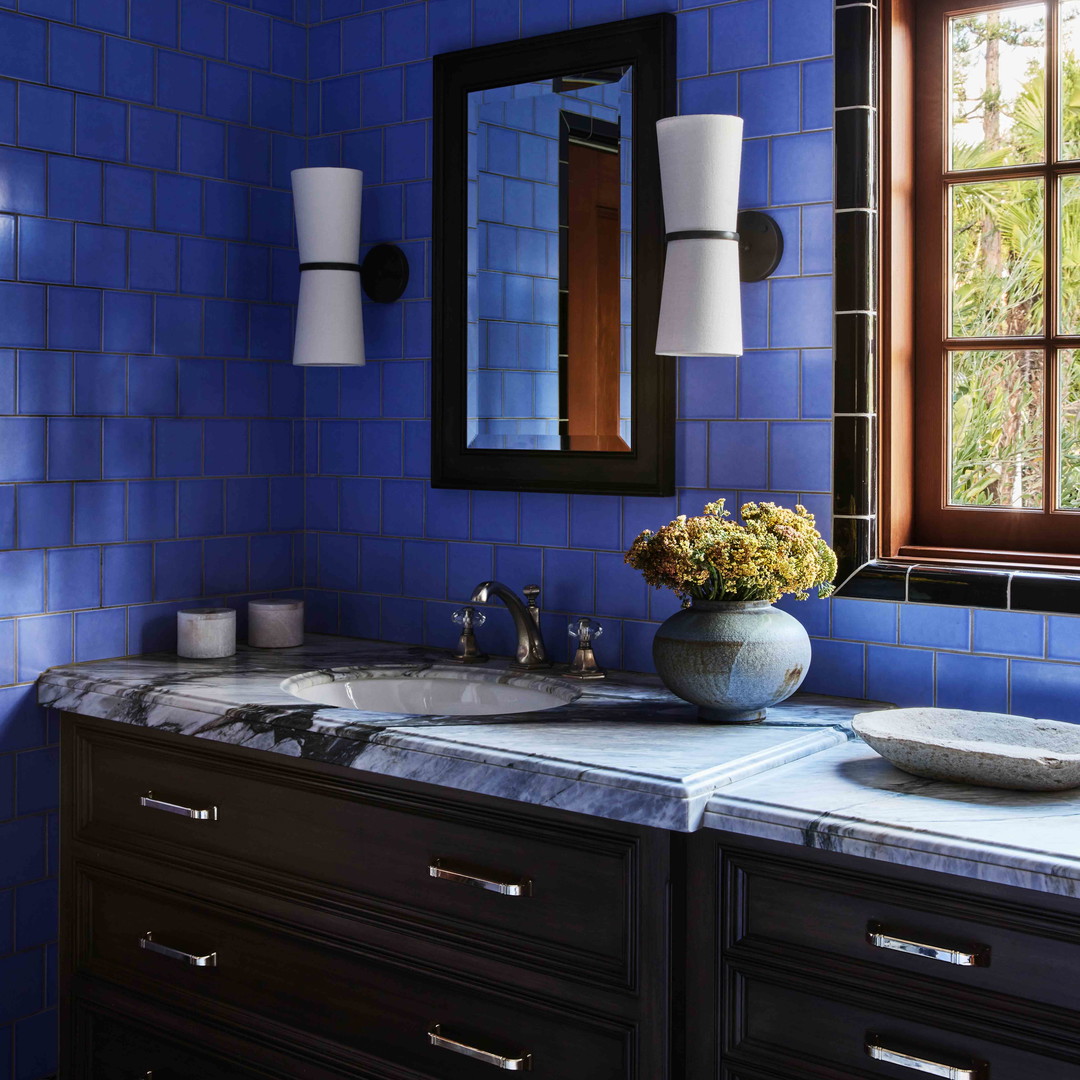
column 229, row 913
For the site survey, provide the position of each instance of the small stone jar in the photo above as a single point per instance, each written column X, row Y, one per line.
column 275, row 624
column 205, row 633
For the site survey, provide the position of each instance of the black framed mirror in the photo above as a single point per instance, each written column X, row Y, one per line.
column 548, row 263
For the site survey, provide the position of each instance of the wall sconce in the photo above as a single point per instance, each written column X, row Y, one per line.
column 711, row 246
column 329, row 319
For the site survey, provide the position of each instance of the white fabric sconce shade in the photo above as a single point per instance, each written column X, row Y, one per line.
column 701, row 308
column 329, row 322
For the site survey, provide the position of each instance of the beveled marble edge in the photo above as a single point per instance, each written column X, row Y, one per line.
column 799, row 804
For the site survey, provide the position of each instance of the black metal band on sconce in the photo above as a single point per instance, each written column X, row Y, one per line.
column 384, row 273
column 761, row 243
column 702, row 234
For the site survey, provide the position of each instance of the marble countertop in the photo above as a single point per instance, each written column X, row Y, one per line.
column 850, row 800
column 626, row 749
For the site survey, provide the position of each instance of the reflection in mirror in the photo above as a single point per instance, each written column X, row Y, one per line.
column 549, row 275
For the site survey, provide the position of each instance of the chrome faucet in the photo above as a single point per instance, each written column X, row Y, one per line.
column 530, row 642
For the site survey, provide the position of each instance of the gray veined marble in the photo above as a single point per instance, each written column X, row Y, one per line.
column 849, row 800
column 625, row 749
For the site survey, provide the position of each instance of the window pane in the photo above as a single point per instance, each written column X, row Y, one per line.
column 998, row 92
column 997, row 258
column 1069, row 427
column 995, row 422
column 1069, row 78
column 1069, row 248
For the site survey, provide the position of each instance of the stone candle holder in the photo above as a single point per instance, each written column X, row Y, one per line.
column 275, row 624
column 205, row 633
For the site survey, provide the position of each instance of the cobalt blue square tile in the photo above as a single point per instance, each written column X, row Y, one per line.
column 740, row 35
column 129, row 196
column 1063, row 637
column 45, row 250
column 271, row 333
column 202, row 27
column 177, row 570
column 225, row 565
column 403, row 621
column 403, row 389
column 801, row 29
column 520, row 565
column 322, row 612
column 247, row 505
column 640, row 512
column 249, row 155
column 44, row 515
column 284, row 8
column 100, row 128
column 271, row 102
column 287, row 153
column 322, row 506
column 800, row 456
column 595, row 521
column 38, row 772
column 152, row 628
column 568, row 581
column 288, row 53
column 901, row 677
column 22, row 725
column 99, row 513
column 637, row 641
column 75, row 59
column 152, row 386
column 769, row 385
column 812, row 613
column 59, row 10
column 817, row 94
column 43, row 642
column 271, row 562
column 22, row 314
column 447, row 514
column 801, row 313
column 541, row 17
column 202, row 509
column 406, row 33
column 202, row 266
column 817, row 239
column 341, row 104
column 495, row 516
column 587, row 12
column 74, row 576
column 202, row 147
column 8, row 116
column 345, row 392
column 339, row 449
column 358, row 47
column 324, row 46
column 202, row 387
column 1048, row 691
column 74, row 189
column 153, row 138
column 100, row 635
column 271, row 446
column 381, row 566
column 128, row 448
column 712, row 93
column 406, row 155
column 769, row 100
column 110, row 15
column 180, row 82
column 178, row 447
column 74, row 318
column 802, row 168
column 226, row 447
column 935, row 626
column 22, row 582
column 467, row 566
column 74, row 448
column 44, row 383
column 154, row 20
column 227, row 92
column 972, row 682
column 426, row 561
column 248, row 272
column 23, row 191
column 544, row 519
column 1013, row 633
column 449, row 25
column 380, row 447
column 152, row 261
column 418, row 91
column 381, row 219
column 707, row 386
column 620, row 590
column 128, row 322
column 383, row 331
column 381, row 97
column 287, row 503
column 176, row 329
column 691, row 454
column 249, row 38
column 36, row 1044
column 226, row 210
column 836, row 667
column 692, row 43
column 152, row 510
column 417, row 210
column 100, row 384
column 338, row 561
column 24, row 843
column 45, row 118
column 7, row 381
column 7, row 246
column 737, row 454
column 7, row 516
column 22, row 47
column 100, row 256
column 864, row 620
column 127, row 571
column 248, row 389
column 416, row 449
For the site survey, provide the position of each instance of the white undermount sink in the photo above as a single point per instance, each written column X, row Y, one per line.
column 433, row 692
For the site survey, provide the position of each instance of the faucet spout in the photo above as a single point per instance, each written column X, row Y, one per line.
column 530, row 642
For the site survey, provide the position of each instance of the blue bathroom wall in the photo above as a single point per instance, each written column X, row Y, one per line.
column 147, row 287
column 389, row 556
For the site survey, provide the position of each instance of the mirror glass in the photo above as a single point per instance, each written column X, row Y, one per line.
column 548, row 253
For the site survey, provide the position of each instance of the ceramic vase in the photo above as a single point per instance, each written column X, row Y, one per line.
column 733, row 659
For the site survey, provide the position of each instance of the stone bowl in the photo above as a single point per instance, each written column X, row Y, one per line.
column 988, row 749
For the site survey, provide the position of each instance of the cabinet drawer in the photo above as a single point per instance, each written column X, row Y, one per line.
column 199, row 956
column 784, row 1025
column 962, row 940
column 546, row 895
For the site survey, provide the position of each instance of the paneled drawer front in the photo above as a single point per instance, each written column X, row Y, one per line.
column 558, row 898
column 780, row 1024
column 1030, row 955
column 192, row 953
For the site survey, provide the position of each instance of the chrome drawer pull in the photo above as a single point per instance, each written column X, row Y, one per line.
column 918, row 1064
column 503, row 888
column 517, row 1064
column 150, row 803
column 148, row 943
column 877, row 937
